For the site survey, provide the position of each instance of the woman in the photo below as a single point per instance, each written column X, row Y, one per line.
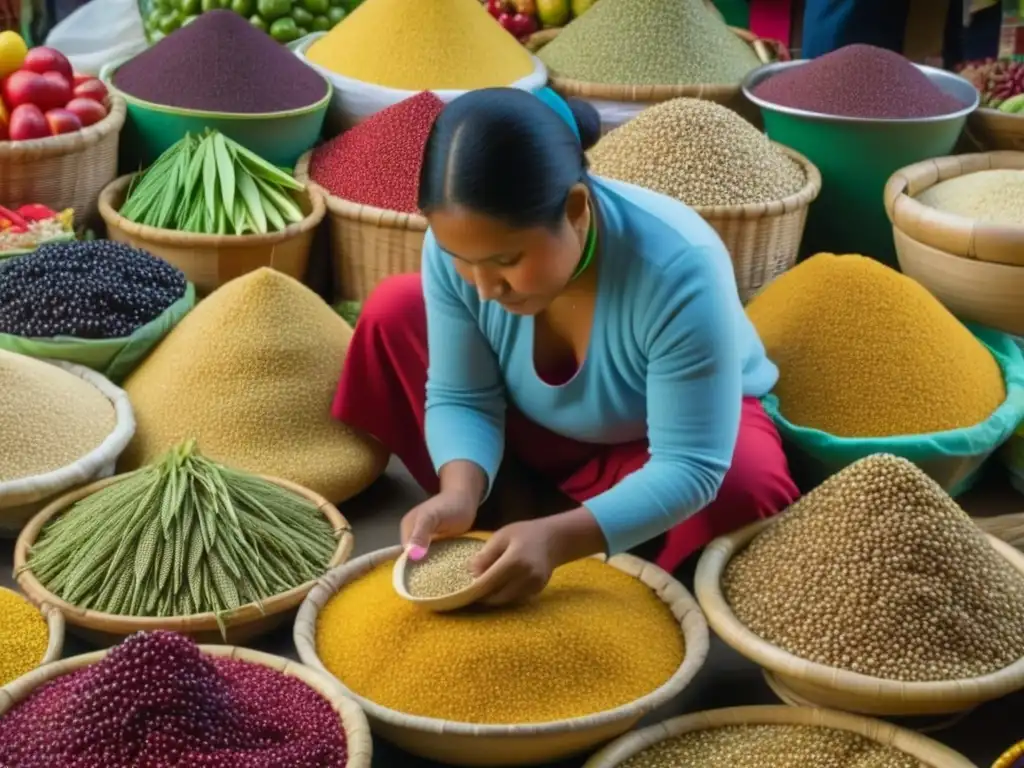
column 590, row 328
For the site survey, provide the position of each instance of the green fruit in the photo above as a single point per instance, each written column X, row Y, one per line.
column 189, row 19
column 163, row 6
column 170, row 22
column 209, row 5
column 334, row 15
column 553, row 13
column 302, row 17
column 303, row 32
column 243, row 7
column 156, row 37
column 316, row 7
column 579, row 7
column 338, row 3
column 189, row 7
column 273, row 9
column 321, row 24
column 284, row 30
column 1013, row 105
column 258, row 22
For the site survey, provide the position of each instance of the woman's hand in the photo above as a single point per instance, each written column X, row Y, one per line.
column 449, row 513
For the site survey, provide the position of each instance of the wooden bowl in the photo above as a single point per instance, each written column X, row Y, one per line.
column 55, row 624
column 453, row 601
column 928, row 751
column 995, row 130
column 830, row 687
column 357, row 731
column 458, row 743
column 243, row 623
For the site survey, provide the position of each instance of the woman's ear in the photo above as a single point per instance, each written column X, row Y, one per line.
column 577, row 210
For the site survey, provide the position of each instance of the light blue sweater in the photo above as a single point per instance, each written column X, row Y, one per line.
column 671, row 355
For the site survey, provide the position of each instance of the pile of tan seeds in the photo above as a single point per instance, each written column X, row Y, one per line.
column 444, row 570
column 880, row 572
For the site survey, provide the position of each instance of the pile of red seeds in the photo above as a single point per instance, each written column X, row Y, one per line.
column 859, row 81
column 156, row 701
column 378, row 162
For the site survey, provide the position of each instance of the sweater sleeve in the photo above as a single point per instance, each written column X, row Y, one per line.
column 465, row 410
column 694, row 401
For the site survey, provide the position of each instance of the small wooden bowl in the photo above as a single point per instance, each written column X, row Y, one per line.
column 243, row 623
column 996, row 130
column 928, row 751
column 357, row 731
column 458, row 743
column 830, row 687
column 453, row 601
column 54, row 623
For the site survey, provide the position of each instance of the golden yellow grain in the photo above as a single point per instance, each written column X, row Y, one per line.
column 864, row 351
column 251, row 373
column 24, row 636
column 49, row 418
column 423, row 45
column 595, row 639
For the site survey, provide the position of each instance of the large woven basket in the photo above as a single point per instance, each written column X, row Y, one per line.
column 993, row 129
column 511, row 745
column 243, row 624
column 209, row 261
column 367, row 244
column 829, row 687
column 357, row 732
column 764, row 238
column 928, row 751
column 55, row 626
column 66, row 171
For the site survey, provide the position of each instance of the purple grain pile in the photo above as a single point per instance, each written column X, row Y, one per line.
column 221, row 63
column 859, row 81
column 156, row 701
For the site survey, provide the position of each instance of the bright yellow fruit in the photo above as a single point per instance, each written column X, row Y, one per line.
column 12, row 52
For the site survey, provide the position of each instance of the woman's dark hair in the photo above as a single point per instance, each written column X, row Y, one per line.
column 504, row 153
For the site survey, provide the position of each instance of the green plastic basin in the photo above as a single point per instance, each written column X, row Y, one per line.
column 278, row 137
column 856, row 157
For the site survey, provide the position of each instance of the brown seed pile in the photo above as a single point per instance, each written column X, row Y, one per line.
column 777, row 746
column 880, row 572
column 445, row 569
column 699, row 152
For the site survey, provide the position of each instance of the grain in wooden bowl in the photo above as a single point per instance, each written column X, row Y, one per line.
column 883, row 597
column 605, row 644
column 29, row 637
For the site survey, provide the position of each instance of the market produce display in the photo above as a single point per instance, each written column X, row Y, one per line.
column 377, row 162
column 24, row 636
column 879, row 571
column 994, row 197
column 859, row 81
column 284, row 20
column 524, row 17
column 913, row 368
column 221, row 63
column 32, row 225
column 250, row 373
column 778, row 746
column 49, row 418
column 211, row 184
column 438, row 44
column 698, row 152
column 595, row 639
column 445, row 569
column 999, row 81
column 184, row 709
column 649, row 42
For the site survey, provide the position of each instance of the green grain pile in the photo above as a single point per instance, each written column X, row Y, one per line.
column 995, row 197
column 878, row 571
column 49, row 418
column 699, row 152
column 649, row 42
column 770, row 746
column 444, row 570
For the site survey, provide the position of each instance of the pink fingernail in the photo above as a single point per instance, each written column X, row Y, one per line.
column 416, row 552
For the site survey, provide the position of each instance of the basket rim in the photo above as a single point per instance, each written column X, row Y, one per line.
column 68, row 143
column 54, row 625
column 112, row 217
column 353, row 720
column 673, row 594
column 200, row 622
column 725, row 623
column 906, row 741
column 991, row 269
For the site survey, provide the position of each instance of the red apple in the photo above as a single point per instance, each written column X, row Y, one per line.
column 63, row 121
column 28, row 122
column 522, row 25
column 79, row 78
column 495, row 7
column 61, row 89
column 505, row 19
column 87, row 111
column 43, row 60
column 90, row 88
column 24, row 87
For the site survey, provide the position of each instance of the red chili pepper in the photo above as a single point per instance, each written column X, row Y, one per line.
column 36, row 212
column 15, row 219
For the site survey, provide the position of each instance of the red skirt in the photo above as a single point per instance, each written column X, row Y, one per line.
column 382, row 391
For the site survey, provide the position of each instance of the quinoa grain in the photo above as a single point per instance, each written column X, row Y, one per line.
column 445, row 569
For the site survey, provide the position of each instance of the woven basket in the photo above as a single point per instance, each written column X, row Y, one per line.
column 511, row 745
column 764, row 238
column 55, row 624
column 243, row 624
column 209, row 261
column 367, row 244
column 357, row 732
column 928, row 751
column 992, row 129
column 66, row 171
column 829, row 687
column 1010, row 756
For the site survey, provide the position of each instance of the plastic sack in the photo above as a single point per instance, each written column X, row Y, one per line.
column 951, row 458
column 98, row 32
column 114, row 358
column 353, row 100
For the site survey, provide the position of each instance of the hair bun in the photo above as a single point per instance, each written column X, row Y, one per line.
column 588, row 120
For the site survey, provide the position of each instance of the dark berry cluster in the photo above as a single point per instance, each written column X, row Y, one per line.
column 96, row 289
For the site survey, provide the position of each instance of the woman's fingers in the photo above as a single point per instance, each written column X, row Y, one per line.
column 489, row 555
column 418, row 528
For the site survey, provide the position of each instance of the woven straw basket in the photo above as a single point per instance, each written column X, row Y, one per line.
column 55, row 624
column 975, row 269
column 829, row 687
column 243, row 623
column 1010, row 756
column 66, row 171
column 1008, row 528
column 929, row 752
column 511, row 745
column 367, row 244
column 993, row 129
column 209, row 261
column 357, row 732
